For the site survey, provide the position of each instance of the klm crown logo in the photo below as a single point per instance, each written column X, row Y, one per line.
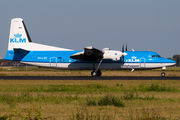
column 17, row 35
column 17, row 39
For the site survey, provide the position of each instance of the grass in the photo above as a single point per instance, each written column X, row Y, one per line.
column 89, row 89
column 83, row 114
column 33, row 113
column 115, row 99
column 156, row 87
column 146, row 114
column 111, row 100
column 105, row 101
column 25, row 97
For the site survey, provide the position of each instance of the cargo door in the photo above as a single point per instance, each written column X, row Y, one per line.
column 53, row 62
column 142, row 62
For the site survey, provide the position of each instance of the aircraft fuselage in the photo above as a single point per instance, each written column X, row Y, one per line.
column 62, row 60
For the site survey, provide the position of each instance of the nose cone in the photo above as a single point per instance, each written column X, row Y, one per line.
column 168, row 62
column 173, row 62
column 124, row 54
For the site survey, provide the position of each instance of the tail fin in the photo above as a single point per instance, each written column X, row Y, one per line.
column 20, row 43
column 19, row 36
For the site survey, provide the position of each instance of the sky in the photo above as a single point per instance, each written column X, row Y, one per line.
column 74, row 24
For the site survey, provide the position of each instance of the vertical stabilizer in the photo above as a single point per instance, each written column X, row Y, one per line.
column 19, row 36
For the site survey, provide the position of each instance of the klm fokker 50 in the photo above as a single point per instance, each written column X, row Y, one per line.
column 21, row 48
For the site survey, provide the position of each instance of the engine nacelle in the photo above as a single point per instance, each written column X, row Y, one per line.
column 112, row 54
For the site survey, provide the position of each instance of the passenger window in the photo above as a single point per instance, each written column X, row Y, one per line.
column 63, row 60
column 153, row 56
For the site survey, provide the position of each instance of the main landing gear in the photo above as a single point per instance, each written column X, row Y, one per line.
column 96, row 72
column 163, row 74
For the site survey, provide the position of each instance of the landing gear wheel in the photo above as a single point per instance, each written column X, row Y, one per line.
column 93, row 74
column 96, row 72
column 163, row 74
column 99, row 73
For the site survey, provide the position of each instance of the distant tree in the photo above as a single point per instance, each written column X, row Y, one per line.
column 169, row 58
column 177, row 59
column 10, row 63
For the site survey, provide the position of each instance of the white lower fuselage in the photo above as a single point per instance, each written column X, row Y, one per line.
column 103, row 66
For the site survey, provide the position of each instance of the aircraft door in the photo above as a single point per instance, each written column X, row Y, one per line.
column 53, row 62
column 142, row 62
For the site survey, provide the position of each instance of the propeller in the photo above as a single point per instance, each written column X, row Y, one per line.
column 123, row 53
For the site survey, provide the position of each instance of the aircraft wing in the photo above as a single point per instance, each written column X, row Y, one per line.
column 89, row 54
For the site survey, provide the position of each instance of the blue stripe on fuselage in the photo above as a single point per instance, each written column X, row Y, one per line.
column 64, row 56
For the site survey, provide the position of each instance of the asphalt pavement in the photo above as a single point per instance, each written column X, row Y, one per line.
column 87, row 78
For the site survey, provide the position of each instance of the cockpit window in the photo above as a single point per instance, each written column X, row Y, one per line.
column 156, row 56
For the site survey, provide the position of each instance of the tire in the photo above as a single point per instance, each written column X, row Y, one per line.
column 99, row 73
column 163, row 74
column 93, row 74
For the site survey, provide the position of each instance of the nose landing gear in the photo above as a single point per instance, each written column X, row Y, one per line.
column 163, row 74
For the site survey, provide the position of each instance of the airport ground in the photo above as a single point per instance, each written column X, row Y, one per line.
column 80, row 99
column 35, row 71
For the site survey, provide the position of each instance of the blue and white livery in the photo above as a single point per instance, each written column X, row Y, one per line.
column 21, row 48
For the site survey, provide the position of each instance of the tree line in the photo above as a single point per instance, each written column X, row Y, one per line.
column 177, row 59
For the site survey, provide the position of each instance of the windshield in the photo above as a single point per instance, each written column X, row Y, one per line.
column 156, row 56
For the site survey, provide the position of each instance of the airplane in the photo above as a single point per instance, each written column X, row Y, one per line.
column 21, row 48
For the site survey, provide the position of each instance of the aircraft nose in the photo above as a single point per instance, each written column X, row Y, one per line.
column 173, row 62
column 169, row 62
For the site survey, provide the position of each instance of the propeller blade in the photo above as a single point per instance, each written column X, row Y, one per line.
column 123, row 58
column 126, row 46
column 123, row 48
column 123, row 53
